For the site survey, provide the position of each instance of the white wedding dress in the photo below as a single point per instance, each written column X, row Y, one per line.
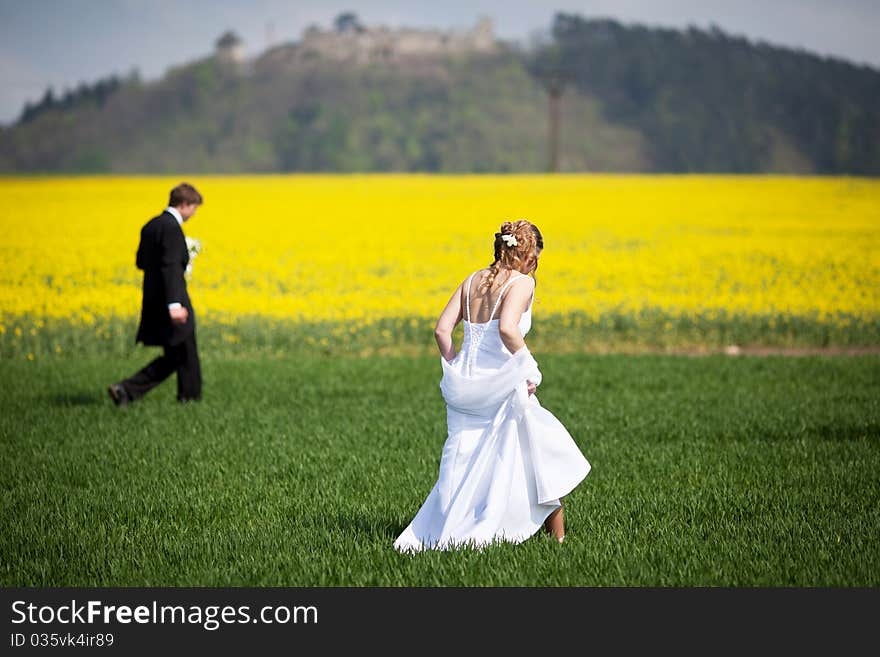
column 506, row 460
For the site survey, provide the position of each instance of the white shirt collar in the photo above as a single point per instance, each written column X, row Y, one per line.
column 176, row 214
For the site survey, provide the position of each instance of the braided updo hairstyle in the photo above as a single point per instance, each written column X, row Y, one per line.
column 521, row 256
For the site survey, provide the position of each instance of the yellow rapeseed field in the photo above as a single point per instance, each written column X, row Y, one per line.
column 364, row 247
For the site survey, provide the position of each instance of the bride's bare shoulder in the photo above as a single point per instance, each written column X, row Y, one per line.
column 471, row 284
column 476, row 276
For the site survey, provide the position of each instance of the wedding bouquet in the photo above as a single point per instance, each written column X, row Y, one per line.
column 194, row 247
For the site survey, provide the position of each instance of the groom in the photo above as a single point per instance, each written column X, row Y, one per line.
column 167, row 317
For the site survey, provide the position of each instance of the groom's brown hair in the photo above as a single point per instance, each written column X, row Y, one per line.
column 184, row 194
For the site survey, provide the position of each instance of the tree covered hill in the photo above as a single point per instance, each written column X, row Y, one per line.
column 706, row 101
column 632, row 99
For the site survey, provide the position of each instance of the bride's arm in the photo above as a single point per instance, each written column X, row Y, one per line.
column 449, row 319
column 513, row 305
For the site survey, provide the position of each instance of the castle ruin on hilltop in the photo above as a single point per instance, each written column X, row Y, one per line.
column 350, row 41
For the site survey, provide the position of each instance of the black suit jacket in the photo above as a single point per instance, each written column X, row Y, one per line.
column 163, row 256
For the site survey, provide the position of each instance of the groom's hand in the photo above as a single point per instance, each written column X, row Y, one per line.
column 179, row 315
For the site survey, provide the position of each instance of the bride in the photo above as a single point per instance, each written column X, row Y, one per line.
column 507, row 461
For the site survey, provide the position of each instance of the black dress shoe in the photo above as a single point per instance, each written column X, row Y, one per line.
column 118, row 395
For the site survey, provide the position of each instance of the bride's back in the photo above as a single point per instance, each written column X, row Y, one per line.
column 480, row 299
column 482, row 346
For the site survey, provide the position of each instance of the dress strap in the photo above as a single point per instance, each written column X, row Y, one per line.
column 501, row 293
column 467, row 302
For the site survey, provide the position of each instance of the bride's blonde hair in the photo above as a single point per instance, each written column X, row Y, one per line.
column 519, row 256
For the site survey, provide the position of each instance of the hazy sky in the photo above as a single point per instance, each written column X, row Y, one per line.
column 63, row 42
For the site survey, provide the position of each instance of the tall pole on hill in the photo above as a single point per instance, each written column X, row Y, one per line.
column 554, row 102
column 547, row 64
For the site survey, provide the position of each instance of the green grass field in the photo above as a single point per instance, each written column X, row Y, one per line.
column 298, row 472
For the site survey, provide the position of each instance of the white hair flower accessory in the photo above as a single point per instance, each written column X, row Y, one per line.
column 509, row 240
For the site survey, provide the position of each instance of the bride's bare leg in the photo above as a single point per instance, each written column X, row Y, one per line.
column 555, row 524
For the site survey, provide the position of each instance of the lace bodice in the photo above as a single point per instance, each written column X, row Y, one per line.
column 482, row 346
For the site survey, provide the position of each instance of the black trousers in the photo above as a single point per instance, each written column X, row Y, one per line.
column 183, row 359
